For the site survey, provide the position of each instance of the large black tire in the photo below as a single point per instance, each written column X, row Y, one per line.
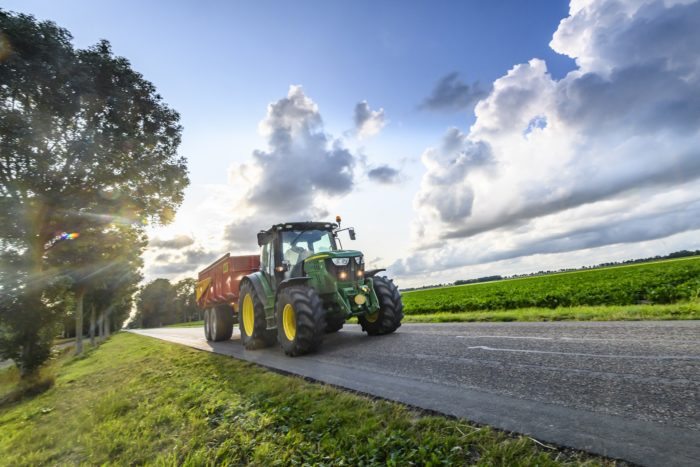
column 254, row 335
column 207, row 324
column 221, row 319
column 301, row 320
column 388, row 318
column 334, row 322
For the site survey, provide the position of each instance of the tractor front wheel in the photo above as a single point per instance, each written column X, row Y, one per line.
column 251, row 320
column 301, row 320
column 388, row 318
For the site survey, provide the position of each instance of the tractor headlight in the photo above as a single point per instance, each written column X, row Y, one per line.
column 341, row 261
column 359, row 260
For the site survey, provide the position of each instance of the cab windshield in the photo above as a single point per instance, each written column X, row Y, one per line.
column 298, row 245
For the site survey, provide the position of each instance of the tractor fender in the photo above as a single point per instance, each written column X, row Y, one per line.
column 258, row 286
column 373, row 272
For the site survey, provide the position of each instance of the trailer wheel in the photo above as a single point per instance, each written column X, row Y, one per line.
column 252, row 322
column 301, row 321
column 207, row 324
column 221, row 319
column 388, row 318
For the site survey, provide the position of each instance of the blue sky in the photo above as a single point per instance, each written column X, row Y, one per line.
column 220, row 64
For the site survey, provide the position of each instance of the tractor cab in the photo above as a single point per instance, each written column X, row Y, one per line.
column 285, row 247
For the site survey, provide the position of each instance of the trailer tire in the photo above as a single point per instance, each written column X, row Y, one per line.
column 252, row 321
column 388, row 318
column 301, row 320
column 207, row 324
column 221, row 317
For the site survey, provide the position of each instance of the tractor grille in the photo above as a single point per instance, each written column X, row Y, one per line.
column 351, row 272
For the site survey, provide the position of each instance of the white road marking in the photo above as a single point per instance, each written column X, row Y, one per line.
column 577, row 354
column 508, row 337
column 582, row 339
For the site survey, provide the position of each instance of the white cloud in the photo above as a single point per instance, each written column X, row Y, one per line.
column 384, row 175
column 294, row 178
column 368, row 122
column 177, row 242
column 607, row 155
column 451, row 93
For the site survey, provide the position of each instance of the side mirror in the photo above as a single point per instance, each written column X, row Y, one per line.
column 351, row 231
column 261, row 238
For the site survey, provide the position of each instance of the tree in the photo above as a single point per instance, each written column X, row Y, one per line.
column 185, row 303
column 100, row 267
column 154, row 305
column 85, row 142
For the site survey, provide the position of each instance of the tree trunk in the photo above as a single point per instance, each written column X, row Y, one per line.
column 79, row 295
column 92, row 325
column 107, row 326
column 100, row 326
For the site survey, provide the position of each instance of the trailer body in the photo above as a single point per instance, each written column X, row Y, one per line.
column 218, row 283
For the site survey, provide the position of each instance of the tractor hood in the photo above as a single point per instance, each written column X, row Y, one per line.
column 335, row 254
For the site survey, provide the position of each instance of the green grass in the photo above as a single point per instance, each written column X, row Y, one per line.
column 662, row 282
column 136, row 400
column 191, row 324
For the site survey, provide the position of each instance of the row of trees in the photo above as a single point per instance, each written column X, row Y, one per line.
column 88, row 158
column 160, row 303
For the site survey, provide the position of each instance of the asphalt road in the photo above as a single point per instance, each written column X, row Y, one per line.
column 627, row 390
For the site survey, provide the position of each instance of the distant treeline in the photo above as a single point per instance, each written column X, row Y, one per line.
column 675, row 254
column 478, row 279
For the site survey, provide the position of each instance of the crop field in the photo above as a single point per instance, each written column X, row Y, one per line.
column 660, row 282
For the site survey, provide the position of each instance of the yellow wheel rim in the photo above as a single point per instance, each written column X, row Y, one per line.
column 373, row 317
column 248, row 315
column 289, row 321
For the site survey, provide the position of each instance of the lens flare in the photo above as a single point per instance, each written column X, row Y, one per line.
column 61, row 236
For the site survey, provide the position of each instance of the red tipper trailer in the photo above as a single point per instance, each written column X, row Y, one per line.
column 218, row 283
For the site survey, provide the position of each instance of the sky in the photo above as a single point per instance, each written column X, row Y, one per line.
column 461, row 139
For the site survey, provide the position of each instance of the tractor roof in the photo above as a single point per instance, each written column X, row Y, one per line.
column 303, row 226
column 264, row 235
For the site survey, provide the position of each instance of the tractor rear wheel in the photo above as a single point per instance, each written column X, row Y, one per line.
column 251, row 320
column 221, row 319
column 301, row 320
column 388, row 318
column 334, row 322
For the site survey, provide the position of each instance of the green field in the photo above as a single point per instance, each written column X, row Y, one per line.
column 136, row 400
column 662, row 282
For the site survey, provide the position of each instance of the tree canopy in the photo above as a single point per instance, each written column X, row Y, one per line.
column 88, row 146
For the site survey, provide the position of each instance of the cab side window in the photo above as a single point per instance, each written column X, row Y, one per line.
column 265, row 263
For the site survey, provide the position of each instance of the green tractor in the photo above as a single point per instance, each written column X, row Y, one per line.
column 308, row 286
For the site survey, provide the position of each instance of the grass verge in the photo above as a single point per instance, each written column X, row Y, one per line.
column 677, row 311
column 137, row 400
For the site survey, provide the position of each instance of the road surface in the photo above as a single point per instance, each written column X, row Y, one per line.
column 627, row 390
